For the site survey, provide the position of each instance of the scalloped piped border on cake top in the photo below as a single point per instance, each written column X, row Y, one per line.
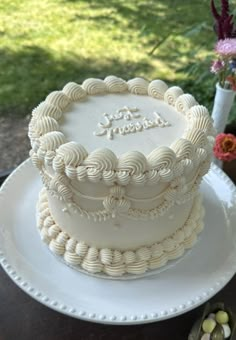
column 50, row 147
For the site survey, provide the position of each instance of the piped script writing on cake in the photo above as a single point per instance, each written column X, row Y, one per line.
column 127, row 113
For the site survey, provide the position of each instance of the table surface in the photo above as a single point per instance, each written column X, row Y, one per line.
column 23, row 318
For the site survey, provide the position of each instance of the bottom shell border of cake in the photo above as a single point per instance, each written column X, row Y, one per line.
column 113, row 262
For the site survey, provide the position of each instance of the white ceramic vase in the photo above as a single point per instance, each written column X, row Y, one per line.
column 223, row 103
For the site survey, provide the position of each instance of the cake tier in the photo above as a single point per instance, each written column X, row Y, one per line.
column 114, row 261
column 113, row 125
column 119, row 232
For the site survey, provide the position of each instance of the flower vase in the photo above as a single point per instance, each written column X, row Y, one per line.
column 223, row 103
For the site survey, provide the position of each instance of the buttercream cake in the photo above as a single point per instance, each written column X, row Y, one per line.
column 121, row 163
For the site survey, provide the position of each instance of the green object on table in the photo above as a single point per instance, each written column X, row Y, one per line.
column 218, row 333
column 196, row 332
column 222, row 317
column 208, row 325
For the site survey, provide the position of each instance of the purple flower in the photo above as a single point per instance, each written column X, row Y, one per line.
column 217, row 66
column 226, row 47
column 224, row 25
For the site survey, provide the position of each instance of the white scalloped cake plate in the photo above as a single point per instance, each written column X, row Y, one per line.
column 181, row 287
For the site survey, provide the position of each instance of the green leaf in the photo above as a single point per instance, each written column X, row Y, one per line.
column 195, row 29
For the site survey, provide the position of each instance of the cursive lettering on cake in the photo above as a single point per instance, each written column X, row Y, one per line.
column 106, row 128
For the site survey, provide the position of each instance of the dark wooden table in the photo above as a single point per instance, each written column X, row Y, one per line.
column 22, row 318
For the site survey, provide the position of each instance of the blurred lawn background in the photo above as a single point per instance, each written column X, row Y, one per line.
column 45, row 44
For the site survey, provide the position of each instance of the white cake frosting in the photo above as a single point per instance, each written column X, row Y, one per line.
column 117, row 117
column 121, row 163
column 117, row 262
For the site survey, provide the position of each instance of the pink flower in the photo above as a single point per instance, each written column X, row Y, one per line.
column 225, row 147
column 217, row 66
column 226, row 47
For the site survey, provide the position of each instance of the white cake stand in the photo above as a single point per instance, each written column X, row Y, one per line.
column 181, row 287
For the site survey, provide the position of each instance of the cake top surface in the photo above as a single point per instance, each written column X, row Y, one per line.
column 122, row 122
column 116, row 125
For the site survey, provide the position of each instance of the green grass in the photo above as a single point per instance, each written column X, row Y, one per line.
column 44, row 44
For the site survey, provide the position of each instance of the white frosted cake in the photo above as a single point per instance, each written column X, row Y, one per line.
column 121, row 163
